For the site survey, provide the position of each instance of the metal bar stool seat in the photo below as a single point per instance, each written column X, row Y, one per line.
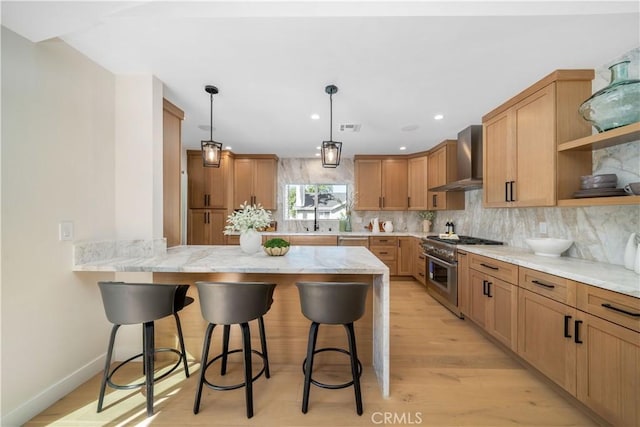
column 333, row 303
column 231, row 303
column 142, row 303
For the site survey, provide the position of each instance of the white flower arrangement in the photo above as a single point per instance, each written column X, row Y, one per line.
column 247, row 217
column 427, row 215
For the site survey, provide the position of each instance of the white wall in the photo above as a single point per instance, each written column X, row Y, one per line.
column 57, row 164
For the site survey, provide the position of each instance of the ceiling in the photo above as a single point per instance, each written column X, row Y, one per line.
column 396, row 64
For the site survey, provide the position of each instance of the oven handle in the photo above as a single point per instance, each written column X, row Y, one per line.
column 438, row 260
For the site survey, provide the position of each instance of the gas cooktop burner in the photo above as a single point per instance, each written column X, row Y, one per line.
column 465, row 240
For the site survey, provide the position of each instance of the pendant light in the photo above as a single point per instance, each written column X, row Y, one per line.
column 211, row 150
column 331, row 149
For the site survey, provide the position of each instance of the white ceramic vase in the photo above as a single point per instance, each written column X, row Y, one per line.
column 630, row 252
column 426, row 226
column 250, row 241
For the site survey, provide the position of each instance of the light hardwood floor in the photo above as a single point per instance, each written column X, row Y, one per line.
column 443, row 373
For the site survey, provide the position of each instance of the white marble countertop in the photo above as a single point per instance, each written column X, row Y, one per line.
column 230, row 259
column 364, row 233
column 607, row 276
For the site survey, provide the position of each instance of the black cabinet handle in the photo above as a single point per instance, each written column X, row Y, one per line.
column 567, row 319
column 484, row 287
column 489, row 266
column 628, row 313
column 434, row 200
column 535, row 282
column 383, row 201
column 420, row 257
column 506, row 191
column 409, row 201
column 511, row 183
column 384, row 253
column 421, row 274
column 489, row 289
column 576, row 332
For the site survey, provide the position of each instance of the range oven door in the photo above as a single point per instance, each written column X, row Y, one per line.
column 443, row 279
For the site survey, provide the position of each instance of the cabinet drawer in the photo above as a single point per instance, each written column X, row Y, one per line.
column 383, row 241
column 421, row 272
column 621, row 309
column 493, row 267
column 385, row 253
column 554, row 287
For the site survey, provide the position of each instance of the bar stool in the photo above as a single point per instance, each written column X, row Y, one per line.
column 334, row 303
column 233, row 303
column 142, row 303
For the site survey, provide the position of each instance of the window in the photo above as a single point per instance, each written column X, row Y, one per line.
column 311, row 201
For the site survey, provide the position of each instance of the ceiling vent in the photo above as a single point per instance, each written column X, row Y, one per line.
column 350, row 127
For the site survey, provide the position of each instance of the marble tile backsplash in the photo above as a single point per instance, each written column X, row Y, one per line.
column 599, row 232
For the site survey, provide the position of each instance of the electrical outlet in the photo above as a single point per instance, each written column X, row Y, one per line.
column 543, row 228
column 65, row 230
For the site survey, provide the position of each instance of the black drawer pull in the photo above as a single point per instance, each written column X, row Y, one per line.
column 421, row 274
column 576, row 332
column 567, row 319
column 511, row 199
column 628, row 313
column 484, row 287
column 506, row 191
column 421, row 257
column 462, row 253
column 535, row 282
column 489, row 266
column 384, row 253
column 489, row 289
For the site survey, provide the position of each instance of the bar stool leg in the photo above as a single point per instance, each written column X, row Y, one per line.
column 107, row 365
column 203, row 366
column 354, row 366
column 148, row 364
column 248, row 388
column 263, row 343
column 225, row 349
column 311, row 348
column 182, row 348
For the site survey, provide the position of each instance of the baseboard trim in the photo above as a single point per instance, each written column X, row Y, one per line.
column 52, row 394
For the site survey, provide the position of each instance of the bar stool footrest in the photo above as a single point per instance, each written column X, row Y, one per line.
column 141, row 384
column 332, row 386
column 233, row 386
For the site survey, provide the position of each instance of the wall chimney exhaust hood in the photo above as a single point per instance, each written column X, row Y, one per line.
column 469, row 161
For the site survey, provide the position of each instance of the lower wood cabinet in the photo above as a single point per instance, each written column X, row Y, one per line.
column 385, row 248
column 493, row 305
column 463, row 282
column 206, row 226
column 405, row 256
column 313, row 240
column 419, row 262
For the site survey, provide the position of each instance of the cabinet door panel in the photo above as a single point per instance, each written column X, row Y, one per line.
column 394, row 184
column 217, row 222
column 498, row 162
column 503, row 311
column 463, row 282
column 436, row 175
column 541, row 338
column 417, row 185
column 199, row 179
column 536, row 149
column 477, row 299
column 242, row 182
column 608, row 363
column 368, row 184
column 405, row 256
column 264, row 182
column 198, row 229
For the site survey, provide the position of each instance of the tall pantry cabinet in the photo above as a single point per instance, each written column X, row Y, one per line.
column 172, row 117
column 210, row 199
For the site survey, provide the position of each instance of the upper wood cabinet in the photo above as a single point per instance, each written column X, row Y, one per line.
column 209, row 188
column 206, row 226
column 417, row 183
column 380, row 183
column 172, row 117
column 255, row 180
column 520, row 139
column 442, row 169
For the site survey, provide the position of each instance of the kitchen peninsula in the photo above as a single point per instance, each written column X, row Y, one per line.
column 188, row 264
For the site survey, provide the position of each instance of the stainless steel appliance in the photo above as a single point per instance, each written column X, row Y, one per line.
column 469, row 158
column 442, row 267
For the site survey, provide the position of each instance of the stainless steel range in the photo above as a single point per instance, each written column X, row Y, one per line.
column 442, row 267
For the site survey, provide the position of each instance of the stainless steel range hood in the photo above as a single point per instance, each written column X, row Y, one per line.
column 469, row 161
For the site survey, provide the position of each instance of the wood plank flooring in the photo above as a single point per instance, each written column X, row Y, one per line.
column 443, row 373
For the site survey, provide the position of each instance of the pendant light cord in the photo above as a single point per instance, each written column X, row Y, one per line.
column 330, row 117
column 211, row 119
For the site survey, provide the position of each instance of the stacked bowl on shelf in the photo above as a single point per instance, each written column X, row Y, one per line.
column 599, row 186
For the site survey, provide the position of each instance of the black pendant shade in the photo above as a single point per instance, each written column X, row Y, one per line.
column 211, row 150
column 331, row 149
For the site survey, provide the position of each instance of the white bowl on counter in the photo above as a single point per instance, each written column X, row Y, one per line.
column 548, row 246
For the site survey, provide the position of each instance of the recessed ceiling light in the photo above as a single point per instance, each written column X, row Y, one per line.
column 317, row 154
column 318, row 148
column 227, row 147
column 403, row 148
column 438, row 117
column 315, row 116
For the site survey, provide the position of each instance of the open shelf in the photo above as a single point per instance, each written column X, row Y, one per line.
column 600, row 201
column 609, row 138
